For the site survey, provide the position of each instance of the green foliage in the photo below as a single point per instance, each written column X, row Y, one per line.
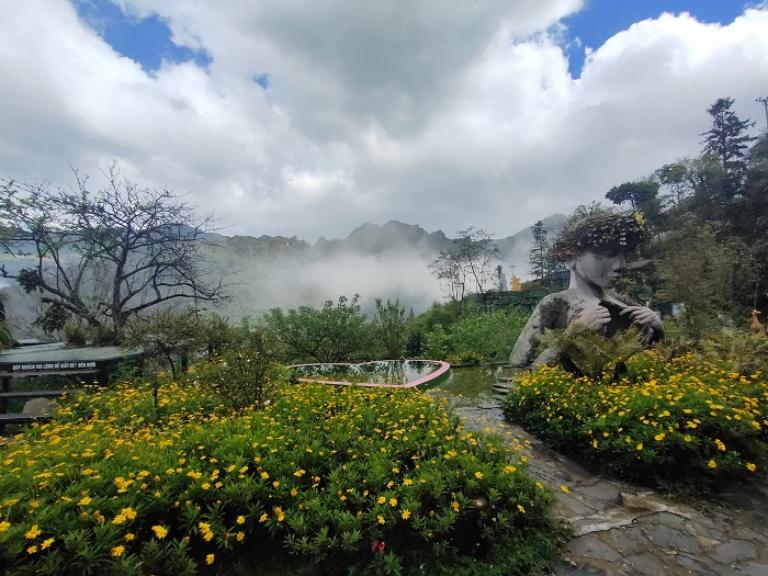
column 390, row 324
column 488, row 336
column 170, row 336
column 331, row 480
column 728, row 139
column 6, row 340
column 642, row 195
column 542, row 262
column 705, row 273
column 745, row 352
column 588, row 353
column 328, row 334
column 244, row 376
column 53, row 318
column 668, row 421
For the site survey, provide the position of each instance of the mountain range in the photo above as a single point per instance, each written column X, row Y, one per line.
column 376, row 261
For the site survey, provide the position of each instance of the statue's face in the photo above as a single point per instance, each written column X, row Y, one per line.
column 600, row 266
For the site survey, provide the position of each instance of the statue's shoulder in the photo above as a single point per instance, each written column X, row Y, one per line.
column 554, row 309
column 562, row 298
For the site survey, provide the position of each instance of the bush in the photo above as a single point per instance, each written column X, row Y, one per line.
column 332, row 333
column 487, row 336
column 358, row 480
column 244, row 376
column 684, row 422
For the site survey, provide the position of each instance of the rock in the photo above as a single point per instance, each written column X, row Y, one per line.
column 754, row 569
column 39, row 407
column 646, row 564
column 592, row 547
column 670, row 538
column 734, row 551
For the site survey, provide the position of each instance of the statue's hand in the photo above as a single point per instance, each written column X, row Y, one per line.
column 594, row 317
column 643, row 316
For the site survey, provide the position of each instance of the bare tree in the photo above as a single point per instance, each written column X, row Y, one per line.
column 448, row 269
column 478, row 254
column 105, row 256
column 470, row 261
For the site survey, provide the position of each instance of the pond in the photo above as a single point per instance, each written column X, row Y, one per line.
column 471, row 382
column 400, row 373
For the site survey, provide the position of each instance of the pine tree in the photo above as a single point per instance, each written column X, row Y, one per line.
column 728, row 141
column 539, row 254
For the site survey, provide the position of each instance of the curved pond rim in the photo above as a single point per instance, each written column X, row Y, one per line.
column 431, row 378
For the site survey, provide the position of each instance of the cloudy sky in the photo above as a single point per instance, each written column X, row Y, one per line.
column 311, row 117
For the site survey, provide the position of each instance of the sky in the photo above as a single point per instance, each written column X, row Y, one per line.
column 311, row 118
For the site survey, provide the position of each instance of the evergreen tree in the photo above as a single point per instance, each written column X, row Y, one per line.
column 728, row 140
column 539, row 256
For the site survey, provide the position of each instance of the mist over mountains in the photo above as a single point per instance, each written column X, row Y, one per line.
column 387, row 261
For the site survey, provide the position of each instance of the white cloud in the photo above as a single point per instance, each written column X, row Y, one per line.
column 438, row 113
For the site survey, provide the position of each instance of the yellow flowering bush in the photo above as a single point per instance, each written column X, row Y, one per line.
column 342, row 479
column 683, row 420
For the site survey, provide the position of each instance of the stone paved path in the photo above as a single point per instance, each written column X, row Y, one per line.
column 621, row 530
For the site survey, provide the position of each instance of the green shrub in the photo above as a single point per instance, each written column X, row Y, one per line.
column 340, row 480
column 677, row 421
column 243, row 376
column 333, row 333
column 490, row 336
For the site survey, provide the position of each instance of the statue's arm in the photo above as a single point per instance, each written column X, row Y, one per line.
column 529, row 340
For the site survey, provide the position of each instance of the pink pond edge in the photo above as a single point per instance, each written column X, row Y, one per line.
column 442, row 369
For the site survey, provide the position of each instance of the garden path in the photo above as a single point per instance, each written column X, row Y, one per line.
column 623, row 530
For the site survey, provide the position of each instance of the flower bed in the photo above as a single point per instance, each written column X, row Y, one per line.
column 682, row 422
column 340, row 479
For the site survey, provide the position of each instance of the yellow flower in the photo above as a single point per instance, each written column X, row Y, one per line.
column 118, row 551
column 279, row 514
column 659, row 437
column 240, row 536
column 406, row 514
column 509, row 469
column 299, row 473
column 565, row 489
column 639, row 446
column 160, row 531
column 264, row 475
column 84, row 501
column 594, row 443
column 455, row 506
column 380, row 519
column 393, row 502
column 521, row 508
column 479, row 475
column 129, row 537
column 751, row 466
column 264, row 517
column 720, row 445
column 381, row 500
column 4, row 525
column 33, row 532
column 210, row 559
column 31, row 549
column 240, row 520
column 712, row 464
column 47, row 543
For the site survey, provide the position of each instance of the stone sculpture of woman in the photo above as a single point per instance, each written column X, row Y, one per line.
column 594, row 245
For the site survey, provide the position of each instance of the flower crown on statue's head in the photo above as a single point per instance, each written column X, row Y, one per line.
column 596, row 227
